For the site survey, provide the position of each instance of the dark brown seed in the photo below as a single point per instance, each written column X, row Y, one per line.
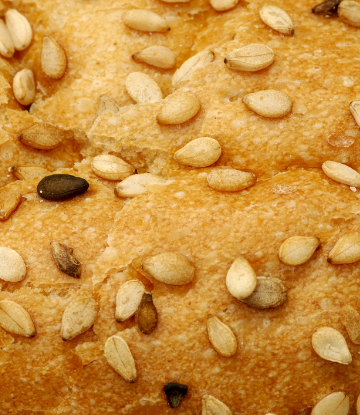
column 175, row 393
column 65, row 259
column 61, row 187
column 327, row 7
column 146, row 314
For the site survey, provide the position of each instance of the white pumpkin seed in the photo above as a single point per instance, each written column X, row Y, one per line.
column 106, row 104
column 201, row 152
column 24, row 87
column 298, row 249
column 19, row 28
column 169, row 268
column 178, row 108
column 15, row 319
column 145, row 20
column 53, row 58
column 128, row 299
column 241, row 278
column 334, row 404
column 29, row 172
column 78, row 317
column 223, row 5
column 277, row 19
column 355, row 111
column 158, row 56
column 349, row 12
column 251, row 58
column 7, row 48
column 269, row 103
column 197, row 61
column 119, row 357
column 142, row 88
column 12, row 266
column 111, row 167
column 212, row 406
column 350, row 318
column 137, row 184
column 269, row 292
column 221, row 337
column 42, row 136
column 9, row 201
column 330, row 345
column 230, row 180
column 346, row 249
column 341, row 173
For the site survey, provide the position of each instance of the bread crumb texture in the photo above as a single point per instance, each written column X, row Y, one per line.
column 274, row 369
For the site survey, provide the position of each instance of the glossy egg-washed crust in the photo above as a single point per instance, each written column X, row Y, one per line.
column 275, row 368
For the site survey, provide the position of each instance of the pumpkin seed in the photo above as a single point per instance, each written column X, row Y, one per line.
column 7, row 48
column 142, row 88
column 327, row 7
column 298, row 249
column 119, row 357
column 212, row 406
column 178, row 108
column 201, row 152
column 128, row 299
column 146, row 315
column 269, row 293
column 53, row 58
column 158, row 56
column 349, row 12
column 269, row 103
column 42, row 136
column 277, row 19
column 175, row 393
column 330, row 345
column 230, row 180
column 197, row 61
column 24, row 87
column 251, row 58
column 334, row 404
column 241, row 279
column 137, row 184
column 9, row 201
column 12, row 266
column 221, row 336
column 65, row 259
column 15, row 319
column 351, row 320
column 111, row 167
column 341, row 173
column 346, row 249
column 19, row 28
column 61, row 187
column 145, row 20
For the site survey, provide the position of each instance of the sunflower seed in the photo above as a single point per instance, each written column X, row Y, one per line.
column 106, row 104
column 42, row 136
column 298, row 249
column 9, row 201
column 145, row 21
column 28, row 172
column 349, row 12
column 142, row 88
column 111, row 167
column 197, row 61
column 341, row 173
column 61, row 187
column 146, row 315
column 6, row 43
column 169, row 268
column 223, row 5
column 53, row 58
column 277, row 19
column 221, row 337
column 19, row 28
column 137, row 184
column 328, row 7
column 175, row 393
column 334, row 404
column 269, row 103
column 12, row 266
column 128, row 299
column 346, row 249
column 269, row 293
column 250, row 58
column 24, row 87
column 78, row 317
column 15, row 319
column 330, row 345
column 241, row 278
column 201, row 152
column 355, row 111
column 158, row 56
column 351, row 320
column 65, row 260
column 212, row 406
column 119, row 357
column 230, row 180
column 178, row 108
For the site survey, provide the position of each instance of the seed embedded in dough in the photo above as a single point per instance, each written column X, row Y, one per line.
column 336, row 403
column 250, row 58
column 277, row 19
column 346, row 249
column 297, row 250
column 201, row 152
column 269, row 103
column 230, row 180
column 349, row 12
column 158, row 56
column 12, row 266
column 145, row 20
column 178, row 108
column 142, row 88
column 330, row 345
column 341, row 173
